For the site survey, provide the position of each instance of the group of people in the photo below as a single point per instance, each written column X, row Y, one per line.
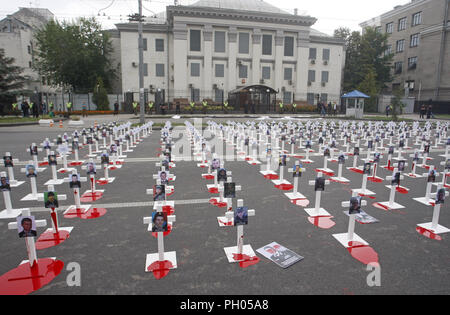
column 331, row 108
column 34, row 110
column 426, row 110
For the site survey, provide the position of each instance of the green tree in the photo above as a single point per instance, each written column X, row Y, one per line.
column 100, row 97
column 369, row 87
column 75, row 54
column 11, row 80
column 397, row 104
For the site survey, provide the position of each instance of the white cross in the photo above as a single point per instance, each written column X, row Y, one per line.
column 295, row 194
column 35, row 156
column 74, row 209
column 54, row 214
column 9, row 212
column 391, row 204
column 434, row 225
column 12, row 181
column 317, row 210
column 34, row 194
column 29, row 241
column 363, row 190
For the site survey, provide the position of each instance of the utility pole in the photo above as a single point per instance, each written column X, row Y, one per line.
column 139, row 18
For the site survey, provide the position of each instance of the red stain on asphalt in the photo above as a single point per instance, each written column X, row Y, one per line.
column 356, row 170
column 380, row 206
column 300, row 202
column 284, row 187
column 208, row 177
column 362, row 253
column 245, row 260
column 370, row 197
column 402, row 190
column 323, row 172
column 428, row 233
column 323, row 222
column 160, row 269
column 50, row 239
column 271, row 176
column 375, row 179
column 213, row 190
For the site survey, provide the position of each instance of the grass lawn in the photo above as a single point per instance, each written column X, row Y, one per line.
column 12, row 120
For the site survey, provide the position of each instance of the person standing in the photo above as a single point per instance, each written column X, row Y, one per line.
column 388, row 107
column 177, row 108
column 84, row 110
column 429, row 111
column 116, row 108
column 24, row 109
column 422, row 111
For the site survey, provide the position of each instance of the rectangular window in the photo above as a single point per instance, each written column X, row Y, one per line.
column 267, row 45
column 145, row 69
column 195, row 95
column 326, row 54
column 160, row 70
column 390, row 28
column 312, row 53
column 195, row 40
column 195, row 69
column 219, row 42
column 288, row 74
column 289, row 46
column 310, row 98
column 242, row 72
column 412, row 63
column 402, row 24
column 311, row 75
column 324, row 76
column 266, row 73
column 244, row 39
column 398, row 67
column 159, row 44
column 220, row 70
column 29, row 49
column 400, row 45
column 417, row 19
column 414, row 40
column 218, row 96
column 144, row 44
column 287, row 97
column 378, row 29
column 388, row 50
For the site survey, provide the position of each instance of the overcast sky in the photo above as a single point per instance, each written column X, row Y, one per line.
column 331, row 14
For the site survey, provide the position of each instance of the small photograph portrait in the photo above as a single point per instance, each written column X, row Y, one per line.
column 308, row 144
column 168, row 156
column 377, row 139
column 297, row 171
column 355, row 205
column 326, row 152
column 426, row 148
column 159, row 193
column 240, row 216
column 34, row 150
column 164, row 177
column 320, row 140
column 46, row 144
column 283, row 137
column 222, row 175
column 26, row 226
column 396, row 179
column 440, row 196
column 127, row 137
column 59, row 141
column 401, row 143
column 356, row 151
column 333, row 144
column 370, row 144
column 215, row 164
column 104, row 158
column 320, row 184
column 401, row 166
column 52, row 160
column 416, row 157
column 8, row 161
column 91, row 169
column 367, row 168
column 376, row 157
column 159, row 222
column 74, row 181
column 203, row 146
column 246, row 141
column 89, row 140
column 4, row 184
column 431, row 176
column 292, row 141
column 282, row 160
column 391, row 150
column 30, row 170
column 51, row 199
column 113, row 148
column 230, row 190
column 341, row 159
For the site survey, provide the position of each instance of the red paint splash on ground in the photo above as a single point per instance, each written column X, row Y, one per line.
column 362, row 253
column 389, row 168
column 300, row 202
column 284, row 187
column 75, row 163
column 356, row 170
column 101, row 182
column 402, row 190
column 160, row 269
column 230, row 223
column 380, row 206
column 50, row 239
column 112, row 168
column 91, row 196
column 427, row 233
column 375, row 179
column 93, row 213
column 298, row 156
column 323, row 222
column 370, row 197
column 271, row 176
column 43, row 164
column 168, row 209
column 26, row 279
column 324, row 172
column 208, row 177
column 62, row 171
column 339, row 182
column 213, row 190
column 245, row 260
column 217, row 203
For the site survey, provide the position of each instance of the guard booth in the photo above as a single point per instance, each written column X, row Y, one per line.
column 257, row 98
column 354, row 104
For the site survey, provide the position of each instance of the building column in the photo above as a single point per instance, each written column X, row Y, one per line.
column 256, row 53
column 180, row 50
column 232, row 55
column 278, row 71
column 301, row 82
column 207, row 64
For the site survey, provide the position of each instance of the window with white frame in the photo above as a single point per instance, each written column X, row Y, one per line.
column 414, row 42
column 400, row 45
column 390, row 28
column 402, row 24
column 417, row 19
